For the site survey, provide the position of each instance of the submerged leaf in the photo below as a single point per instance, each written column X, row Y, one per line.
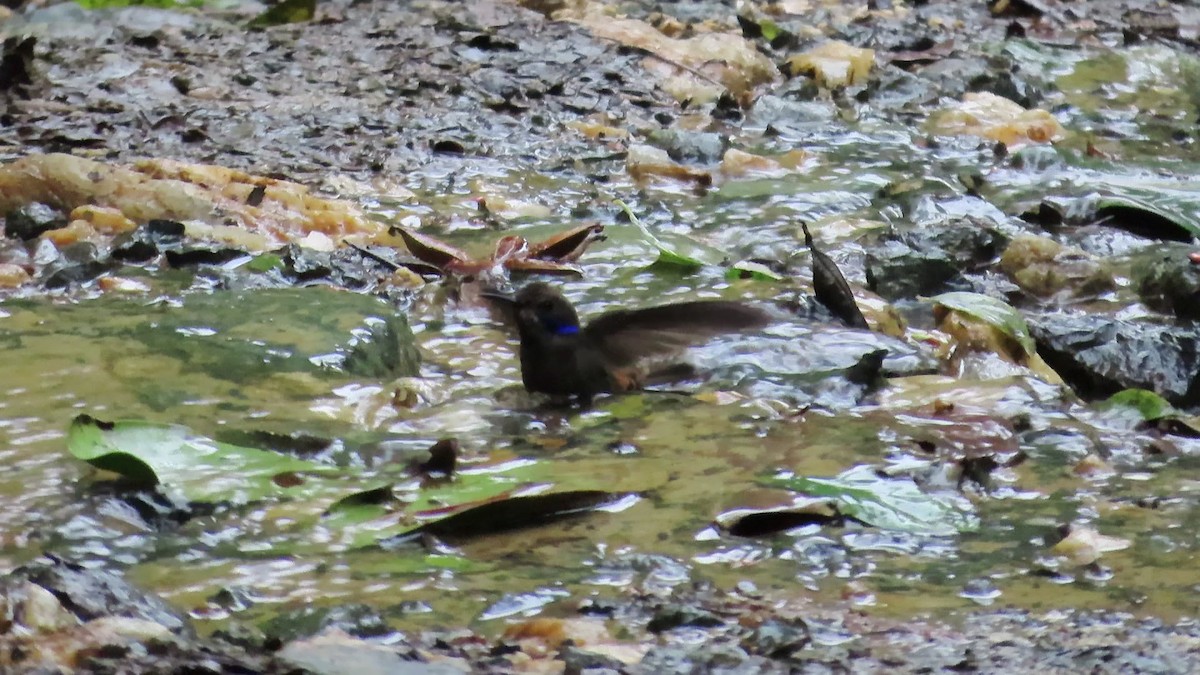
column 744, row 523
column 509, row 514
column 201, row 469
column 890, row 503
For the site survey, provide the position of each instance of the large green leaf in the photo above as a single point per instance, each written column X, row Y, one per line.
column 887, row 502
column 1157, row 210
column 198, row 468
column 993, row 312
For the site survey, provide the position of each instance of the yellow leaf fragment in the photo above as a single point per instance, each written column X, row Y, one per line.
column 740, row 163
column 996, row 118
column 645, row 161
column 834, row 64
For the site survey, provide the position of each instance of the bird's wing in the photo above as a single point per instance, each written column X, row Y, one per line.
column 624, row 336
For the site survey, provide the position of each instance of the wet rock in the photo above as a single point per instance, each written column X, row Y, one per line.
column 1007, row 81
column 1099, row 356
column 950, row 76
column 148, row 240
column 777, row 639
column 722, row 657
column 77, row 263
column 1043, row 267
column 355, row 620
column 30, row 221
column 305, row 264
column 790, row 118
column 335, row 653
column 675, row 616
column 578, row 660
column 932, row 259
column 93, row 593
column 342, row 267
column 690, row 146
column 1167, row 280
column 202, row 254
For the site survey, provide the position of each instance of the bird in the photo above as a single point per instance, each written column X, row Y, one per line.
column 564, row 358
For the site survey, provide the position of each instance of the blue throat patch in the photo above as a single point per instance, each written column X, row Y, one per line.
column 565, row 330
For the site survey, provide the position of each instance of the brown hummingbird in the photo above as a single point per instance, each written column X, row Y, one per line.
column 559, row 356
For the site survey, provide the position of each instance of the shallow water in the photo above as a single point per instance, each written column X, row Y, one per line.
column 240, row 361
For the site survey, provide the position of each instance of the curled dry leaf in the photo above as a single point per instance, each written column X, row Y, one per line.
column 511, row 252
column 831, row 287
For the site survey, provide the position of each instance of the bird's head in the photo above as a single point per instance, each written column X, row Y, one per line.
column 541, row 309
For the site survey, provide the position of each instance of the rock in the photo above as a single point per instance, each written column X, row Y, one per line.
column 1043, row 267
column 674, row 616
column 30, row 221
column 932, row 259
column 690, row 146
column 335, row 653
column 1167, row 280
column 578, row 660
column 1099, row 355
column 77, row 263
column 92, row 593
column 777, row 639
column 359, row 621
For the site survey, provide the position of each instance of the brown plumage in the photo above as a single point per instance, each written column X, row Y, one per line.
column 561, row 357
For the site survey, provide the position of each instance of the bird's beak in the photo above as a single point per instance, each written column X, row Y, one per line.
column 500, row 297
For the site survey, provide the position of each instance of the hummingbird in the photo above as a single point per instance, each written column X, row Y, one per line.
column 561, row 357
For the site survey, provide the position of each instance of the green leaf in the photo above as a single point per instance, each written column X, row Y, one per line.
column 1149, row 405
column 264, row 263
column 993, row 312
column 199, row 468
column 746, row 269
column 676, row 249
column 769, row 29
column 288, row 11
column 885, row 502
column 1161, row 209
